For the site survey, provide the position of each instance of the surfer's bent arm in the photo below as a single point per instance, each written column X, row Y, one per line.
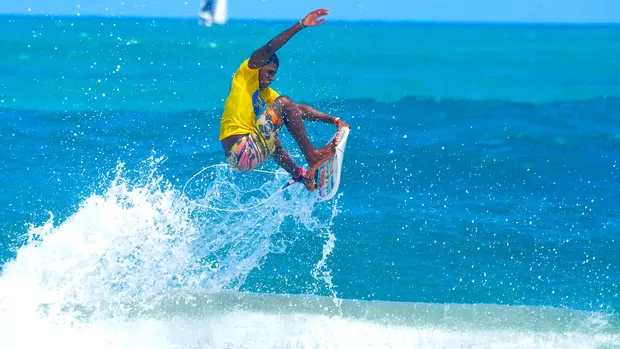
column 262, row 55
column 312, row 114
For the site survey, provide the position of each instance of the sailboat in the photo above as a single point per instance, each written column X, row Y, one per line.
column 213, row 11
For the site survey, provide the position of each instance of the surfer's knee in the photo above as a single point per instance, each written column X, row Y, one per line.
column 285, row 101
column 284, row 106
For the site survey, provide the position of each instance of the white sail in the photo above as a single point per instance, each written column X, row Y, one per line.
column 213, row 11
column 220, row 13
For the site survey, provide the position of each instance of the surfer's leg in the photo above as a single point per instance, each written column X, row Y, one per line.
column 293, row 116
column 285, row 161
column 282, row 157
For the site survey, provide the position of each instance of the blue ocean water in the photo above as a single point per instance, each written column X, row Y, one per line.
column 478, row 206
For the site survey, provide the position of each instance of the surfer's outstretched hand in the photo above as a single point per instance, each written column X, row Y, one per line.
column 312, row 18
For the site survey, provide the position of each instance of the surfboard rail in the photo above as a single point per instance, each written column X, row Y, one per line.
column 327, row 176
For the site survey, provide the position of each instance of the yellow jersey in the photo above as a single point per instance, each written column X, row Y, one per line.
column 244, row 102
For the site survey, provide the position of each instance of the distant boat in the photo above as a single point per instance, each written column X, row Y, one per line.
column 213, row 11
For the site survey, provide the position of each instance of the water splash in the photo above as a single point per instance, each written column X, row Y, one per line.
column 321, row 271
column 250, row 211
column 132, row 241
column 127, row 247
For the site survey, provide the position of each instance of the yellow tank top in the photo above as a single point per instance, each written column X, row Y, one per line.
column 244, row 102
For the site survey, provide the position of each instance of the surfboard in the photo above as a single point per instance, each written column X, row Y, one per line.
column 327, row 177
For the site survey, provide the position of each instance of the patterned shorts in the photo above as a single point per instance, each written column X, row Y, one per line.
column 253, row 149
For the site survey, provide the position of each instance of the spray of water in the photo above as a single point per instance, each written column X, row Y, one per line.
column 127, row 247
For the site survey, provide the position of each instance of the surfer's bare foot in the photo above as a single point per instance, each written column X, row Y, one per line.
column 319, row 156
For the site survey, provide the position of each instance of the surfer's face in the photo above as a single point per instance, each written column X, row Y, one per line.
column 266, row 75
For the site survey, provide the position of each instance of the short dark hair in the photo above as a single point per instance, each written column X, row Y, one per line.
column 273, row 59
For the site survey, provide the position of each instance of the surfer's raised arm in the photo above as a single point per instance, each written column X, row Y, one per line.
column 263, row 54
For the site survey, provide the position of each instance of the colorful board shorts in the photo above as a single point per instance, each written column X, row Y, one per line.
column 253, row 149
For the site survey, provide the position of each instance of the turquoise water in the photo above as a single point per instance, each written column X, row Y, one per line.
column 478, row 206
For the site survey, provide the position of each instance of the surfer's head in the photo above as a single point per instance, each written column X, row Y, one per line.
column 268, row 71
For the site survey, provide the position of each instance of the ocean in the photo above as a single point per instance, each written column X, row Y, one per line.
column 478, row 208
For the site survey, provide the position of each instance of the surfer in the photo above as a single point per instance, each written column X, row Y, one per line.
column 249, row 131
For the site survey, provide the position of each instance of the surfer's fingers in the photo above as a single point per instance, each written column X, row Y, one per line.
column 335, row 141
column 317, row 13
column 340, row 124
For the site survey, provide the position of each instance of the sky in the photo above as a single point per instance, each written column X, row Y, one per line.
column 553, row 11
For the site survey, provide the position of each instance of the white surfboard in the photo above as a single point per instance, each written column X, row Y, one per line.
column 327, row 176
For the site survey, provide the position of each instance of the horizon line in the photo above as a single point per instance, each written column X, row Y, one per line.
column 375, row 20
